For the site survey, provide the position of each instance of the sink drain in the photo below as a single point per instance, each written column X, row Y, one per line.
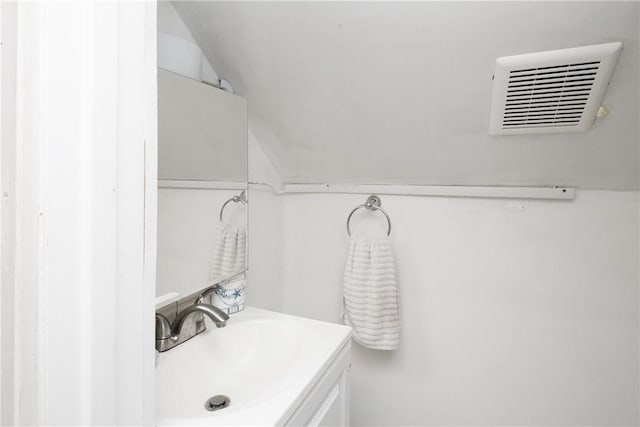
column 217, row 402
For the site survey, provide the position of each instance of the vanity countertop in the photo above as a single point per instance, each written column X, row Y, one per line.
column 265, row 362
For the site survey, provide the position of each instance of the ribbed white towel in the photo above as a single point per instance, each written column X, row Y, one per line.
column 229, row 253
column 370, row 293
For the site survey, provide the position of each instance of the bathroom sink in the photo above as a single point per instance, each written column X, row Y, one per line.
column 265, row 362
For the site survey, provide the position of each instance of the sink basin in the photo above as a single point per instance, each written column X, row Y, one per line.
column 265, row 362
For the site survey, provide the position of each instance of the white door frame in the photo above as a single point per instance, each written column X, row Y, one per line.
column 79, row 183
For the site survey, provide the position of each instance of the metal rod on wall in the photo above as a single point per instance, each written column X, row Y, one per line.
column 552, row 193
column 544, row 193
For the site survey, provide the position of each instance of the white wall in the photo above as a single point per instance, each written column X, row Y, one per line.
column 266, row 250
column 8, row 209
column 513, row 312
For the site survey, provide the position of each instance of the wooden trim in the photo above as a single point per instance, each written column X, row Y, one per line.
column 85, row 187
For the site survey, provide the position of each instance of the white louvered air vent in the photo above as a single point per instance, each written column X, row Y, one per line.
column 551, row 92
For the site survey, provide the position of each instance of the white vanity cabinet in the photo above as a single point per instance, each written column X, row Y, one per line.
column 327, row 403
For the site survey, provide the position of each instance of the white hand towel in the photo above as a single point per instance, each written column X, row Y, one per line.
column 229, row 254
column 370, row 293
column 229, row 258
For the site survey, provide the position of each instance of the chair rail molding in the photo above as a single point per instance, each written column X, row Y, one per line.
column 79, row 184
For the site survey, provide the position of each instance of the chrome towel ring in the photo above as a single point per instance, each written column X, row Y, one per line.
column 373, row 204
column 241, row 198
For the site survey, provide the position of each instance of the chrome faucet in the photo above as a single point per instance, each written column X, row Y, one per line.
column 218, row 316
column 182, row 320
column 171, row 334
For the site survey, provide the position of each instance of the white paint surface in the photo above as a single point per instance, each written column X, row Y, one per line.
column 266, row 251
column 400, row 92
column 513, row 312
column 8, row 232
column 82, row 189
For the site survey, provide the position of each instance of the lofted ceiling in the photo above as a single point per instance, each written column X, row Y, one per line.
column 390, row 92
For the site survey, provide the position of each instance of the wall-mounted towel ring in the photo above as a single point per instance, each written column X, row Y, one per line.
column 373, row 204
column 241, row 198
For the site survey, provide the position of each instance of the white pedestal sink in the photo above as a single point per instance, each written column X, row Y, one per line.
column 273, row 367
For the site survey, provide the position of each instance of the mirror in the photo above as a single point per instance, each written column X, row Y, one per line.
column 202, row 180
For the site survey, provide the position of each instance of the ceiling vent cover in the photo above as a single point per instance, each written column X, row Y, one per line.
column 551, row 92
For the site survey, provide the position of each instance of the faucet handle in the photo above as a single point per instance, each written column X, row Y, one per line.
column 163, row 327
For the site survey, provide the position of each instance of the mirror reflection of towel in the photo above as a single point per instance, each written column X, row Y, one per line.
column 229, row 259
column 229, row 254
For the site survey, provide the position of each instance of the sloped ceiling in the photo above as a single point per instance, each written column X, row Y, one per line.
column 389, row 92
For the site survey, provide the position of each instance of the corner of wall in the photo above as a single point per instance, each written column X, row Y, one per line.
column 262, row 169
column 266, row 262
